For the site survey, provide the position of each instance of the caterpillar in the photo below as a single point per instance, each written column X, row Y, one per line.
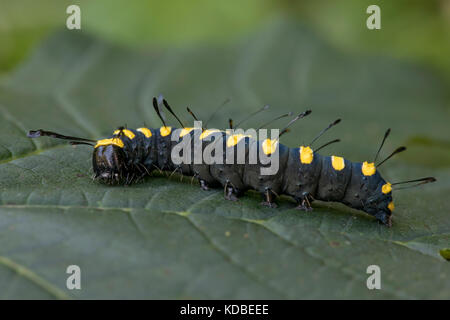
column 129, row 155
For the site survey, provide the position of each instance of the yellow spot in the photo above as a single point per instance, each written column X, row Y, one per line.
column 165, row 131
column 386, row 188
column 185, row 131
column 368, row 168
column 269, row 146
column 234, row 139
column 107, row 142
column 207, row 133
column 391, row 206
column 337, row 163
column 126, row 132
column 227, row 233
column 306, row 155
column 145, row 131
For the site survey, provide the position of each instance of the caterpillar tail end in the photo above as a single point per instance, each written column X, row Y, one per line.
column 384, row 218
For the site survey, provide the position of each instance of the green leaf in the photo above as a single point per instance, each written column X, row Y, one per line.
column 168, row 239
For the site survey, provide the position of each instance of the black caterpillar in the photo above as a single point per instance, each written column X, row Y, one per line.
column 129, row 155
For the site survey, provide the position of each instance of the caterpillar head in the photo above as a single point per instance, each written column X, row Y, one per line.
column 109, row 161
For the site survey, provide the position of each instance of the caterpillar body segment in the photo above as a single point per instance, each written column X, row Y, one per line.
column 320, row 180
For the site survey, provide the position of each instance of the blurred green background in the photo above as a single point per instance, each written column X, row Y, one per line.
column 415, row 30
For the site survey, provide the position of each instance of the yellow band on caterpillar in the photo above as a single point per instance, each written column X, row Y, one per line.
column 165, row 131
column 145, row 131
column 107, row 142
column 126, row 132
column 306, row 155
column 185, row 131
column 207, row 133
column 368, row 168
column 234, row 139
column 338, row 163
column 386, row 188
column 269, row 146
column 391, row 206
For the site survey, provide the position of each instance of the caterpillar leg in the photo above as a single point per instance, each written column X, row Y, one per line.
column 304, row 203
column 304, row 206
column 269, row 199
column 203, row 185
column 230, row 192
